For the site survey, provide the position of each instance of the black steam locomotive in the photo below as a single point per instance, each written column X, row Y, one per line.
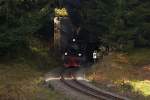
column 73, row 55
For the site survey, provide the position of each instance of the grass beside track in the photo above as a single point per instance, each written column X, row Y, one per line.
column 22, row 79
column 127, row 74
column 19, row 81
column 21, row 75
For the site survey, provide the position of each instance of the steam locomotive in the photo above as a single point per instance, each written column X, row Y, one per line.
column 73, row 55
column 76, row 47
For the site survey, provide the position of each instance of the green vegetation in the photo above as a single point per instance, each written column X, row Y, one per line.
column 19, row 19
column 127, row 74
column 142, row 86
column 139, row 56
column 24, row 53
column 122, row 24
column 24, row 81
column 21, row 77
column 61, row 12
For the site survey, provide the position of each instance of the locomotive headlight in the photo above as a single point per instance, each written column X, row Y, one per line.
column 80, row 54
column 74, row 40
column 66, row 53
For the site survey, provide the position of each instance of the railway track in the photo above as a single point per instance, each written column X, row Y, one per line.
column 73, row 83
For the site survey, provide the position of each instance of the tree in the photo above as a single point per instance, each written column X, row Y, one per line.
column 18, row 20
column 118, row 23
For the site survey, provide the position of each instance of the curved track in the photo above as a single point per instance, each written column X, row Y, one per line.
column 73, row 83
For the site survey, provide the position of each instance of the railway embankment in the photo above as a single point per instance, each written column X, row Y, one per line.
column 22, row 78
column 124, row 73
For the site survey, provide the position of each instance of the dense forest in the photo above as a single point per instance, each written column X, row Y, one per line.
column 122, row 24
column 19, row 21
column 118, row 23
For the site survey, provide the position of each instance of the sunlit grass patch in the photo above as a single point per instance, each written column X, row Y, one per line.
column 142, row 86
column 61, row 12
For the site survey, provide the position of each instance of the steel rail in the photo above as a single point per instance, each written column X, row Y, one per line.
column 99, row 97
column 105, row 94
column 98, row 94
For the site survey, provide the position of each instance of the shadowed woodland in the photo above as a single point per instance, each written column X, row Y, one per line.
column 122, row 24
